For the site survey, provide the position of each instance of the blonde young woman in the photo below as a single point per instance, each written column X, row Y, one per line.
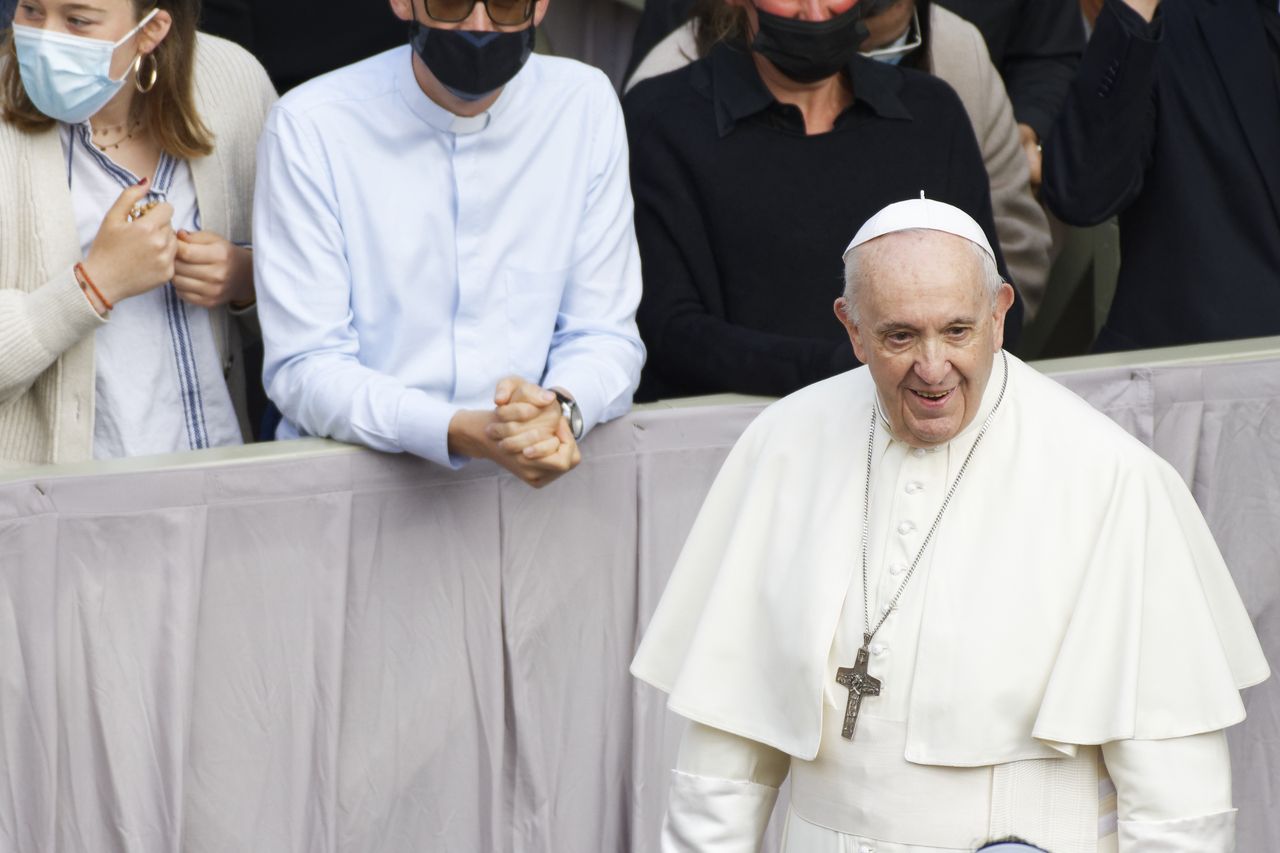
column 126, row 172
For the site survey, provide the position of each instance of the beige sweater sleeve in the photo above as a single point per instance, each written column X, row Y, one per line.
column 38, row 326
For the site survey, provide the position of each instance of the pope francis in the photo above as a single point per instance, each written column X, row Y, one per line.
column 949, row 598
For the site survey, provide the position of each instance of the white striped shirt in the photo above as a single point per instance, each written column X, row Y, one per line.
column 158, row 386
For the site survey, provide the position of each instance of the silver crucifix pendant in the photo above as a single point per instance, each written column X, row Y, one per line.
column 859, row 683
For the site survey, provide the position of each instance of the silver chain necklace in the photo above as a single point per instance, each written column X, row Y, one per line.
column 856, row 678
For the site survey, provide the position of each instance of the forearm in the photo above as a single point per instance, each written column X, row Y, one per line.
column 1173, row 795
column 37, row 327
column 334, row 396
column 1038, row 88
column 722, row 792
column 703, row 354
column 1040, row 60
column 596, row 354
column 1096, row 156
column 600, row 372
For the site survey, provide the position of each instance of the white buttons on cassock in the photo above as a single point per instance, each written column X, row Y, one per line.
column 906, row 527
column 866, row 848
column 914, row 487
column 878, row 649
column 885, row 608
column 897, row 568
column 918, row 452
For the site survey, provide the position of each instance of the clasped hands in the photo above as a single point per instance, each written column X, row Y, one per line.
column 525, row 432
column 137, row 250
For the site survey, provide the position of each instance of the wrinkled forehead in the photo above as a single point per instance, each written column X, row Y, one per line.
column 918, row 269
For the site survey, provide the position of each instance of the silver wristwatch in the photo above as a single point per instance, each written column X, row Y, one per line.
column 569, row 408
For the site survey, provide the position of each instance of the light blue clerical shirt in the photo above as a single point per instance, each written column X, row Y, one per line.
column 407, row 259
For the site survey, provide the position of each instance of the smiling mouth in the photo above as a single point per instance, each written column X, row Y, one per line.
column 932, row 396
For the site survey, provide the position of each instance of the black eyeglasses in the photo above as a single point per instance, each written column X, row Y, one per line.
column 504, row 13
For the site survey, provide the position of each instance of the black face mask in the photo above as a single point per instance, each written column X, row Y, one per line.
column 809, row 51
column 472, row 64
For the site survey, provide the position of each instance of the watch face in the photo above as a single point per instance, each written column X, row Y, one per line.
column 572, row 414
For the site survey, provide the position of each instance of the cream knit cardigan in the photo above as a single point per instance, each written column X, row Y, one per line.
column 46, row 323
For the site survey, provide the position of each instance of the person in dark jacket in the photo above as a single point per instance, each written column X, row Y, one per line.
column 1174, row 124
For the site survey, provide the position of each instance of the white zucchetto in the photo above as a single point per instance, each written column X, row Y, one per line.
column 921, row 213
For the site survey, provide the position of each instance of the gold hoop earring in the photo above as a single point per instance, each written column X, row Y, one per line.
column 154, row 72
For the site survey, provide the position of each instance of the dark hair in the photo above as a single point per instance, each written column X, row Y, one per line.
column 168, row 110
column 715, row 21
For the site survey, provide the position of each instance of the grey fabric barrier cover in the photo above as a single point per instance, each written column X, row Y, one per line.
column 356, row 652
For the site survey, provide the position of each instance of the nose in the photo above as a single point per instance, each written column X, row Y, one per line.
column 813, row 10
column 478, row 19
column 932, row 365
column 823, row 10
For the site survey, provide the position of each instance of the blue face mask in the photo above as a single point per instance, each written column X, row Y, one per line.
column 68, row 77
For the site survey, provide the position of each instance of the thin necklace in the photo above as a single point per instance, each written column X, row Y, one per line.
column 856, row 678
column 121, row 141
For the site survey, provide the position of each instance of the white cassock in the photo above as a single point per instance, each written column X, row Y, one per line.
column 1071, row 616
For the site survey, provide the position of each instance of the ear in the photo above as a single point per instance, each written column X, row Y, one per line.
column 844, row 314
column 403, row 9
column 150, row 36
column 1004, row 301
column 540, row 12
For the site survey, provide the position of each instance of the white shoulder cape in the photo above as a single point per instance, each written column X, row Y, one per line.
column 1075, row 594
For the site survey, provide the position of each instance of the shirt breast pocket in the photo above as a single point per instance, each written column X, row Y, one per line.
column 533, row 309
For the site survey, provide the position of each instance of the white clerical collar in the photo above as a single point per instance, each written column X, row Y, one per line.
column 437, row 116
column 884, row 437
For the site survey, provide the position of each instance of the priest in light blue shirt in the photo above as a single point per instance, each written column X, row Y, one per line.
column 444, row 248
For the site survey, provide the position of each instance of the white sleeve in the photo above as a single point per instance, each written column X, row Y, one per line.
column 1173, row 796
column 596, row 353
column 722, row 793
column 311, row 363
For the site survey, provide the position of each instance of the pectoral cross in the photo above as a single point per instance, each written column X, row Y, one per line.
column 859, row 683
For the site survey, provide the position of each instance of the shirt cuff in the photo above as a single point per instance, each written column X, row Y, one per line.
column 422, row 426
column 583, row 385
column 1213, row 833
column 704, row 813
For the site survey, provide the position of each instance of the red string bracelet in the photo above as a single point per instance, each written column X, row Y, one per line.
column 83, row 278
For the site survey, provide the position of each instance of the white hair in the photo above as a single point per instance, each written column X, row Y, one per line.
column 857, row 269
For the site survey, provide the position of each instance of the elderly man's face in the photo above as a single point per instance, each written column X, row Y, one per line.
column 927, row 331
